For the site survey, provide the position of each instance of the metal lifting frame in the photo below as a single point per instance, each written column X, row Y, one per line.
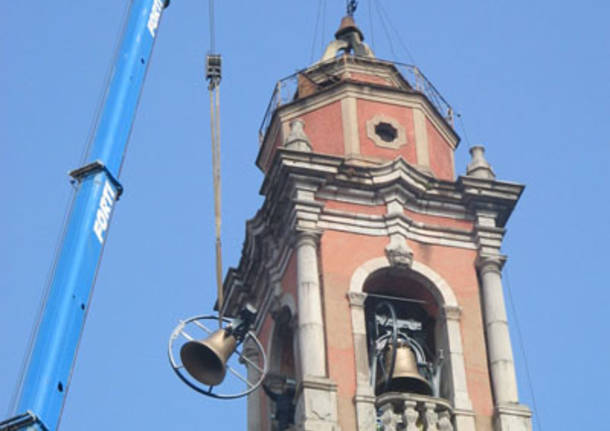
column 46, row 380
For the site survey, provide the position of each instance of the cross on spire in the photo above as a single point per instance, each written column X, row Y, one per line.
column 351, row 7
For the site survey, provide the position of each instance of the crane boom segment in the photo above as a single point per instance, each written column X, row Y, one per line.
column 47, row 376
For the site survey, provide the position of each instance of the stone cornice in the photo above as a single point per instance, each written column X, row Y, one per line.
column 298, row 183
column 485, row 194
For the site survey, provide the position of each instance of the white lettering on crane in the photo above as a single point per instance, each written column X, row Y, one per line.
column 103, row 212
column 154, row 17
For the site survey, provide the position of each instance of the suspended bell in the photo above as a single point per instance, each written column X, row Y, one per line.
column 406, row 376
column 206, row 360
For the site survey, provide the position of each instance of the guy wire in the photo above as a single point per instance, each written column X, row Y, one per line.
column 400, row 41
column 385, row 29
column 212, row 26
column 105, row 85
column 522, row 348
column 315, row 30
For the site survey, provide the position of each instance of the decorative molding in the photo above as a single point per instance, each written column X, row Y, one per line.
column 371, row 131
column 356, row 299
column 490, row 263
column 452, row 312
column 297, row 139
column 479, row 167
column 398, row 252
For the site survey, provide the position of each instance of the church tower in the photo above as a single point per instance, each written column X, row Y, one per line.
column 375, row 270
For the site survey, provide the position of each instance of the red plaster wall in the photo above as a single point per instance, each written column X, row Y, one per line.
column 441, row 160
column 367, row 110
column 323, row 127
column 457, row 267
column 340, row 255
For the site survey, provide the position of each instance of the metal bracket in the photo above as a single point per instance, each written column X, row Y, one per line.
column 213, row 69
column 92, row 168
column 21, row 421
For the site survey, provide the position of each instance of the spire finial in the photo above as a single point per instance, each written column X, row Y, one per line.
column 351, row 7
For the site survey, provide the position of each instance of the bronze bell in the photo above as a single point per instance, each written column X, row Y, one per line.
column 406, row 376
column 206, row 360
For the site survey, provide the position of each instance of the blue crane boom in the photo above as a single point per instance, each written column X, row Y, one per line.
column 47, row 375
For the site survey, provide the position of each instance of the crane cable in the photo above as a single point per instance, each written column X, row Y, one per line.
column 213, row 75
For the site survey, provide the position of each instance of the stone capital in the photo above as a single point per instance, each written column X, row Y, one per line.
column 307, row 237
column 356, row 299
column 452, row 312
column 490, row 262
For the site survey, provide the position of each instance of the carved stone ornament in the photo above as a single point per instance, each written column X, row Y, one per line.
column 297, row 139
column 398, row 252
column 479, row 167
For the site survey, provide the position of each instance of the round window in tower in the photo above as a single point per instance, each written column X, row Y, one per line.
column 386, row 132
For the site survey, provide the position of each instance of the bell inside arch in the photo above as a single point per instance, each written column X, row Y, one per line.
column 406, row 376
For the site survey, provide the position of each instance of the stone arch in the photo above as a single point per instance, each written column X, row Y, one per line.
column 449, row 326
column 441, row 288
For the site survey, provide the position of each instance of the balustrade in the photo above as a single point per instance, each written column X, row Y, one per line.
column 411, row 412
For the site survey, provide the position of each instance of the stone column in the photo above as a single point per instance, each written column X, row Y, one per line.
column 316, row 397
column 310, row 325
column 499, row 349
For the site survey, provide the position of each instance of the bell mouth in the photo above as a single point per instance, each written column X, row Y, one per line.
column 410, row 385
column 202, row 363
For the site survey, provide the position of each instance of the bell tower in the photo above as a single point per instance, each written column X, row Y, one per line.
column 375, row 270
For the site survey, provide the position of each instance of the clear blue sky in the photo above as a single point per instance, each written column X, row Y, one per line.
column 529, row 78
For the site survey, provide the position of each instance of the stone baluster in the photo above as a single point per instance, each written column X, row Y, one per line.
column 388, row 418
column 430, row 417
column 410, row 416
column 444, row 421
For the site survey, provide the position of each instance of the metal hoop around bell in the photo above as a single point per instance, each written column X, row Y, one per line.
column 179, row 369
column 381, row 341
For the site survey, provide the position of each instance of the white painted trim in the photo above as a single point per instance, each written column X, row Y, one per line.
column 349, row 117
column 421, row 138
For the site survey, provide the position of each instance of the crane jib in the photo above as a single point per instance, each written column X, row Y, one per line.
column 42, row 391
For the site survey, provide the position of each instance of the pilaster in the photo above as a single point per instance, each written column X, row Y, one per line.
column 365, row 396
column 316, row 408
column 464, row 415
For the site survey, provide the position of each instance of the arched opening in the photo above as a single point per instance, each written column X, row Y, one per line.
column 404, row 344
column 280, row 383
